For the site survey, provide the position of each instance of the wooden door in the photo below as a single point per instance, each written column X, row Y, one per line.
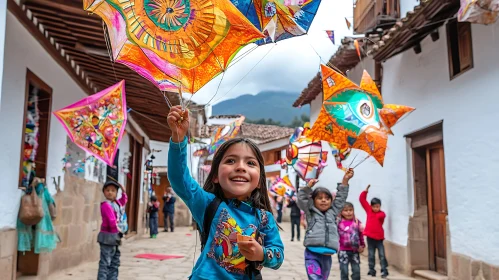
column 160, row 190
column 132, row 207
column 28, row 262
column 437, row 208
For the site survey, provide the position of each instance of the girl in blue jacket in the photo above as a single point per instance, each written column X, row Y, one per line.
column 243, row 236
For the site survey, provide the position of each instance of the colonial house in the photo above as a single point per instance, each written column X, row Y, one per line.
column 53, row 54
column 437, row 185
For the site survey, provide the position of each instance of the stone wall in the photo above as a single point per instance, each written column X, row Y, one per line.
column 77, row 223
column 464, row 267
column 8, row 257
column 183, row 217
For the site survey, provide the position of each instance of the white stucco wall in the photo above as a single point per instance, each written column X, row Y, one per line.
column 467, row 107
column 124, row 148
column 161, row 157
column 466, row 104
column 23, row 52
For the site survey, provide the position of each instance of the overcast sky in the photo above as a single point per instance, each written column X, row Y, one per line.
column 289, row 65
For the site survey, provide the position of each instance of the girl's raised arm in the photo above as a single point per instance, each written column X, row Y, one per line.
column 340, row 199
column 182, row 182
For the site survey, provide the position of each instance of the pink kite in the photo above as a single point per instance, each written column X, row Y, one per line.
column 97, row 123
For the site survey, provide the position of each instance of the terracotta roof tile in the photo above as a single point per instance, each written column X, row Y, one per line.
column 225, row 117
column 257, row 132
column 415, row 26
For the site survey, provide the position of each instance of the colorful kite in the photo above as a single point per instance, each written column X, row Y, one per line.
column 279, row 19
column 330, row 35
column 353, row 116
column 220, row 136
column 175, row 43
column 97, row 123
column 305, row 156
column 281, row 186
column 479, row 11
column 340, row 155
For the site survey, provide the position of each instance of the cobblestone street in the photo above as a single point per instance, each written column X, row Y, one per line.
column 183, row 242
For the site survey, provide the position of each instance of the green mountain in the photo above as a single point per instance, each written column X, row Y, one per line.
column 275, row 105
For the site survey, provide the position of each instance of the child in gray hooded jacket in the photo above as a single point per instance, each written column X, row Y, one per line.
column 321, row 237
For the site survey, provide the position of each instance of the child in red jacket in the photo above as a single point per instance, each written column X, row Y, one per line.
column 375, row 233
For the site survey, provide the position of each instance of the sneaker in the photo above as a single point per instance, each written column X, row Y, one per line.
column 165, row 230
column 298, row 239
column 384, row 274
column 372, row 273
column 292, row 240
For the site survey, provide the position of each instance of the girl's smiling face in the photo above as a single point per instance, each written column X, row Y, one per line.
column 239, row 172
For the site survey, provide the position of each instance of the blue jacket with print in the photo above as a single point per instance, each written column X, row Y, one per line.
column 221, row 258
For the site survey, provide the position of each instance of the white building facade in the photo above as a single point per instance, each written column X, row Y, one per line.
column 437, row 185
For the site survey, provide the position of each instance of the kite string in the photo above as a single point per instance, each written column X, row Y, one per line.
column 238, row 59
column 145, row 116
column 361, row 161
column 254, row 66
column 109, row 48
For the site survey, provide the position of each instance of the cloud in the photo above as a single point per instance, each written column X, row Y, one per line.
column 288, row 65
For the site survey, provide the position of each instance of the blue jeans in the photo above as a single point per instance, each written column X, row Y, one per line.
column 318, row 266
column 372, row 245
column 109, row 262
column 349, row 257
column 167, row 216
column 153, row 224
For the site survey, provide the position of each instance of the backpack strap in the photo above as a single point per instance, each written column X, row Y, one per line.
column 208, row 219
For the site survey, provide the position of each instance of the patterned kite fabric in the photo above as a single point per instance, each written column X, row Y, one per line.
column 279, row 19
column 176, row 44
column 97, row 123
column 355, row 117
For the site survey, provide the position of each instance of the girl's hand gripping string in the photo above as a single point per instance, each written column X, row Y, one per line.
column 178, row 120
column 312, row 183
column 348, row 175
column 251, row 250
column 367, row 189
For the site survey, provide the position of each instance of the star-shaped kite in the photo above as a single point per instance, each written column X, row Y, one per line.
column 353, row 116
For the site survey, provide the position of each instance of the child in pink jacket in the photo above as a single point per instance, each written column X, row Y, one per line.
column 109, row 238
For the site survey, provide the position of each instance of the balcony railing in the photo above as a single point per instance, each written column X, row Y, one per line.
column 369, row 14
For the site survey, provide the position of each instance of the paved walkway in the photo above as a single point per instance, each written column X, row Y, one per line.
column 183, row 242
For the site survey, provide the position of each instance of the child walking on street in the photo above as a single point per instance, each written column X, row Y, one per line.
column 351, row 242
column 153, row 207
column 233, row 210
column 111, row 232
column 168, row 209
column 321, row 238
column 375, row 233
column 295, row 216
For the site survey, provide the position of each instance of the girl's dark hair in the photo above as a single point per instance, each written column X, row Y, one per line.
column 348, row 205
column 154, row 198
column 259, row 197
column 321, row 190
column 375, row 201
